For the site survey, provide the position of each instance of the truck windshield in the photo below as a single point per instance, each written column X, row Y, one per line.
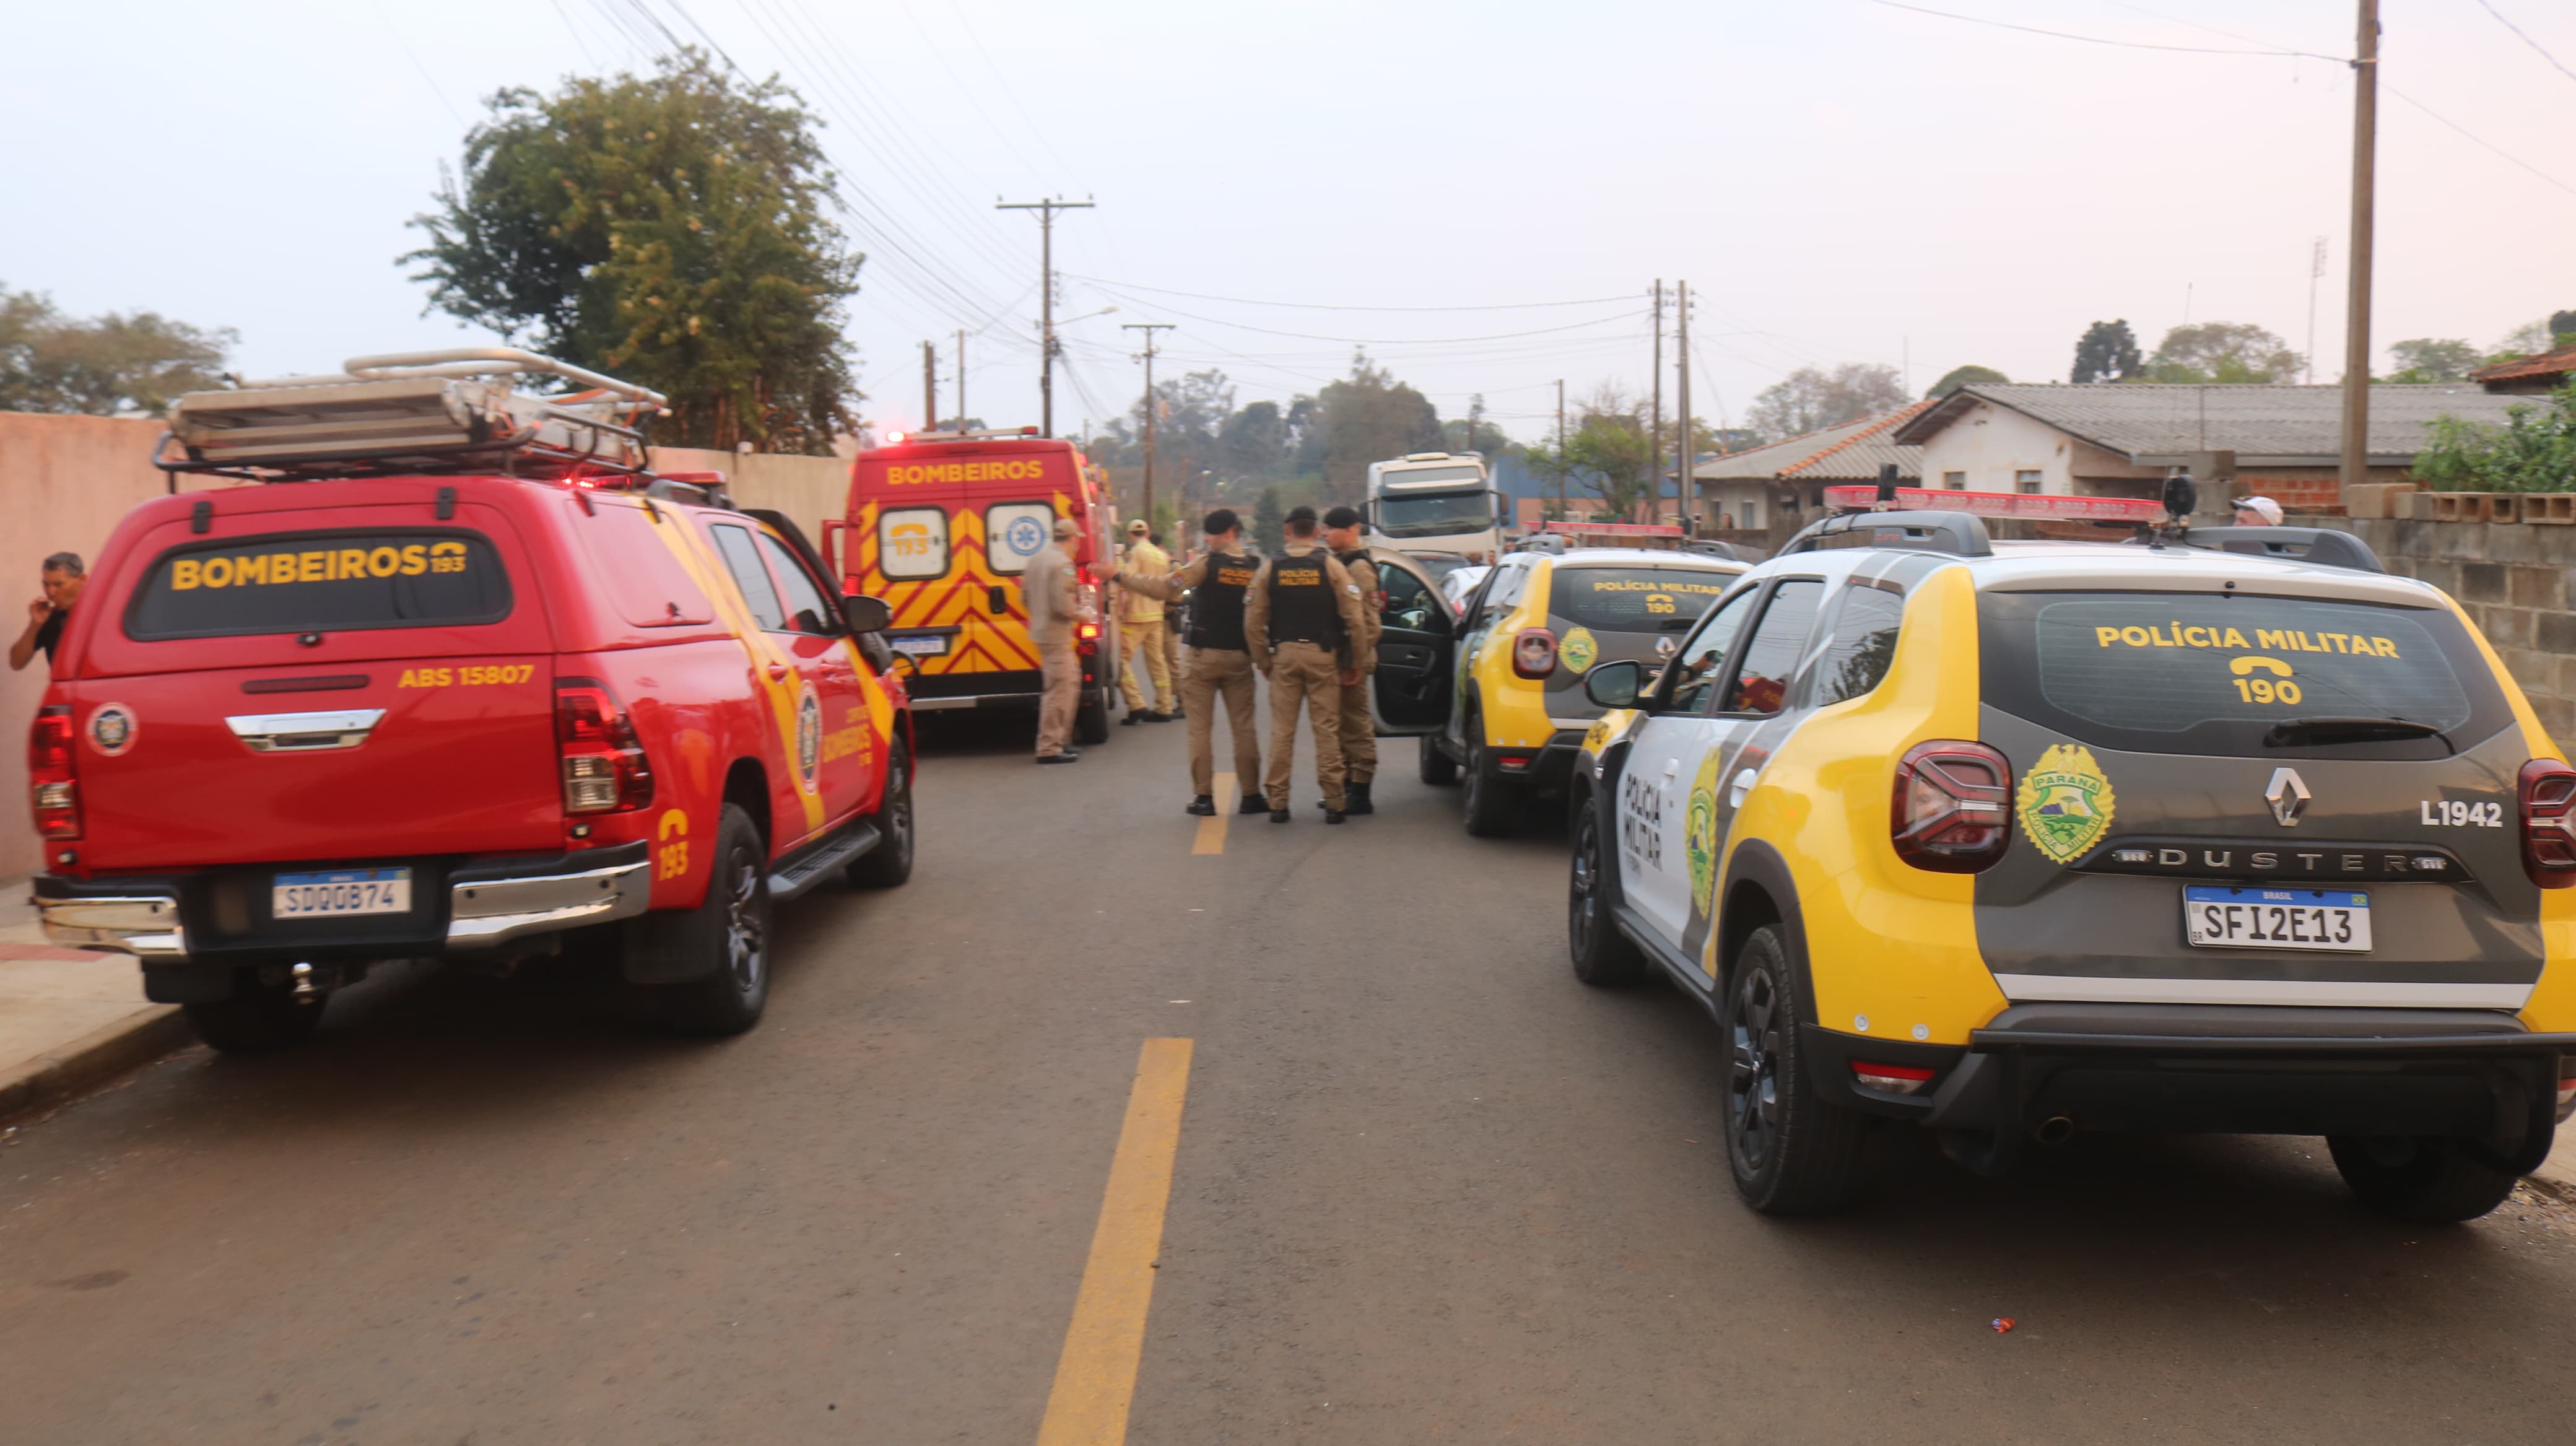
column 1436, row 514
column 2161, row 673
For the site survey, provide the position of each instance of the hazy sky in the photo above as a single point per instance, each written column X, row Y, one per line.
column 1837, row 179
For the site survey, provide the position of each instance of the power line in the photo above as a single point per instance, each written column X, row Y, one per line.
column 1380, row 340
column 2481, row 140
column 1326, row 306
column 2526, row 39
column 2104, row 40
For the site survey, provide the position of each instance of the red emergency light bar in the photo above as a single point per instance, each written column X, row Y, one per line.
column 1863, row 497
column 1613, row 529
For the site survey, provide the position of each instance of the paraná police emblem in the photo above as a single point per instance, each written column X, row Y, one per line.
column 1579, row 649
column 2064, row 802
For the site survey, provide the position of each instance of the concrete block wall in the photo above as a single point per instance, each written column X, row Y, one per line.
column 2511, row 578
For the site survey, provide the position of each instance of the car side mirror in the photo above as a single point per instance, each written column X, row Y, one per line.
column 1615, row 685
column 866, row 614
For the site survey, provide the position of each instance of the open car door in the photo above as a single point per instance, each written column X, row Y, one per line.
column 1416, row 641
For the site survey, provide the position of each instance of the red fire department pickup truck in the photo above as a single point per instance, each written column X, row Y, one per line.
column 464, row 680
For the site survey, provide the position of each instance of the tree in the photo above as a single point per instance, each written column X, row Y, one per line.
column 1254, row 441
column 119, row 362
column 2223, row 351
column 2428, row 360
column 1966, row 376
column 1811, row 399
column 2534, row 451
column 2107, row 352
column 1269, row 521
column 1369, row 417
column 2562, row 327
column 1610, row 453
column 668, row 229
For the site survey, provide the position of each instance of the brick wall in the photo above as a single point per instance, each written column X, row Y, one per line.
column 2511, row 579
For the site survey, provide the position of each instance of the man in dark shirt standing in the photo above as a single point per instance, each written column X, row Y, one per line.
column 47, row 616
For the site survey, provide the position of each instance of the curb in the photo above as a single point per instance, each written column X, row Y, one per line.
column 56, row 1075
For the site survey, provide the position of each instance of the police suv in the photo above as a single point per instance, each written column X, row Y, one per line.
column 2231, row 831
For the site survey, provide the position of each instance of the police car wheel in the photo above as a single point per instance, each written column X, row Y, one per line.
column 732, row 926
column 890, row 862
column 1489, row 800
column 256, row 1020
column 2420, row 1178
column 1603, row 957
column 1789, row 1150
column 1438, row 769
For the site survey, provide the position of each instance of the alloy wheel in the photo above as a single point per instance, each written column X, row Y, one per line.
column 1753, row 1071
column 746, row 925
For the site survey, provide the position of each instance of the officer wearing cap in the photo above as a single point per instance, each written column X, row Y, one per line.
column 1140, row 625
column 1218, row 582
column 1305, row 631
column 1358, row 730
column 2257, row 512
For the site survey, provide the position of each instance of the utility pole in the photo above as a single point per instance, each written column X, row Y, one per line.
column 1655, row 426
column 929, row 388
column 1149, row 328
column 1560, row 451
column 2356, row 339
column 1046, row 299
column 961, row 378
column 1688, row 485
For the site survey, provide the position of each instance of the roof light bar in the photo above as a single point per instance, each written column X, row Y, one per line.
column 2042, row 507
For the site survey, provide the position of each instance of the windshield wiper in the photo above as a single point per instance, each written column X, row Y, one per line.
column 2309, row 732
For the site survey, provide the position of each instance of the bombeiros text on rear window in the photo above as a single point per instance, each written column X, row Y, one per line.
column 1635, row 599
column 1014, row 469
column 321, row 582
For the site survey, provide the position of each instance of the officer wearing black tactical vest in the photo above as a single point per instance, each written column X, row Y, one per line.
column 1307, row 635
column 1217, row 582
column 1357, row 728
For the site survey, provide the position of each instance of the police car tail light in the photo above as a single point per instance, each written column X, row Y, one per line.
column 2548, row 792
column 1890, row 1079
column 604, row 767
column 1952, row 812
column 1533, row 653
column 51, row 786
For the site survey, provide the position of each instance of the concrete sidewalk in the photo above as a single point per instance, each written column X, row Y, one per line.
column 68, row 1017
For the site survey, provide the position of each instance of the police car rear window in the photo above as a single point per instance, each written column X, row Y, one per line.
column 321, row 582
column 2160, row 672
column 1634, row 599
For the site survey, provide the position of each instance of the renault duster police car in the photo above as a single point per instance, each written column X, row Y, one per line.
column 2230, row 832
column 463, row 679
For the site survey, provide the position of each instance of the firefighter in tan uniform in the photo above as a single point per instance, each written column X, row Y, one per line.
column 1217, row 581
column 1308, row 636
column 1140, row 626
column 1358, row 728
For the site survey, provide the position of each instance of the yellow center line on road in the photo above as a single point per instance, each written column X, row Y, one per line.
column 1096, row 1376
column 1211, row 839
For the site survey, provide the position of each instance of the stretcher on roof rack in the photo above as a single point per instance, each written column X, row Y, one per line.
column 450, row 411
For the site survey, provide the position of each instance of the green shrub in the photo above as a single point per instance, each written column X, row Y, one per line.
column 2534, row 451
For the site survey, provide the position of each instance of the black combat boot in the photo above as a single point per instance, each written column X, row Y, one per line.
column 1204, row 806
column 1280, row 815
column 1255, row 803
column 1334, row 815
column 1355, row 798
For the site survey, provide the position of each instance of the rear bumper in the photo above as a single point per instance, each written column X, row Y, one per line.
column 2469, row 1074
column 459, row 904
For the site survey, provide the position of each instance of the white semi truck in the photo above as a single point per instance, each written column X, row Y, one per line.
column 1434, row 502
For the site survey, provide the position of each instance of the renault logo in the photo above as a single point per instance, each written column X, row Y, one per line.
column 1666, row 647
column 2287, row 795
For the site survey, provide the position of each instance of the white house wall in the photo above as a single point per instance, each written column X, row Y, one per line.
column 1992, row 444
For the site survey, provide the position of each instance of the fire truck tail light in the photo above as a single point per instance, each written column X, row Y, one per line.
column 604, row 767
column 52, row 789
column 2548, row 795
column 1533, row 653
column 1952, row 809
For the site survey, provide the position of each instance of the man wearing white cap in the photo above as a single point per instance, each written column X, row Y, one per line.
column 2257, row 512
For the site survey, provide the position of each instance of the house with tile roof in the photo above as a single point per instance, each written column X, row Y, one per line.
column 2121, row 439
column 1779, row 487
column 2546, row 372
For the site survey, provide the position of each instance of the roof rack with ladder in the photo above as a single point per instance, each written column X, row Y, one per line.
column 437, row 412
column 1960, row 528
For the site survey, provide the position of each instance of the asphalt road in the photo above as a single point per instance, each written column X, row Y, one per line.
column 1425, row 1187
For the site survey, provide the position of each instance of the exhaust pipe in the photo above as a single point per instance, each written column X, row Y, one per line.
column 2055, row 1130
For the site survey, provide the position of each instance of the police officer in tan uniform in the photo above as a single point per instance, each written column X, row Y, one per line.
column 1218, row 582
column 1358, row 728
column 1306, row 633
